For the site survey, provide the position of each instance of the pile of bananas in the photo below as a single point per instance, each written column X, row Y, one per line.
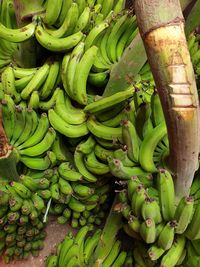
column 79, row 251
column 72, row 147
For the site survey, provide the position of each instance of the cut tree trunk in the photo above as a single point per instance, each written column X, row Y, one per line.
column 161, row 26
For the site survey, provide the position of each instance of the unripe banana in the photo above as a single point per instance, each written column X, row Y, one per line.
column 183, row 214
column 166, row 237
column 148, row 231
column 57, row 44
column 155, row 252
column 151, row 210
column 174, row 253
column 166, row 194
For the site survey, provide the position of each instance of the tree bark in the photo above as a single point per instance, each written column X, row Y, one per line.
column 161, row 26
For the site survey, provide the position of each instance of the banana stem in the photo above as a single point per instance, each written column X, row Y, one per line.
column 161, row 26
column 7, row 159
column 108, row 236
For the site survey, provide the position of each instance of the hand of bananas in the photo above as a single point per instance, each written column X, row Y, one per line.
column 72, row 146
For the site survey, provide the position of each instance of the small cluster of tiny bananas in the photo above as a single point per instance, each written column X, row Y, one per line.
column 167, row 233
column 21, row 219
column 76, row 200
column 79, row 250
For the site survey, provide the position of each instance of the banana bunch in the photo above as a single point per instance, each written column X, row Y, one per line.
column 21, row 217
column 166, row 231
column 30, row 136
column 78, row 251
column 77, row 200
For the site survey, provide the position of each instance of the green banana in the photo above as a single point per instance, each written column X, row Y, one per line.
column 52, row 14
column 46, row 105
column 69, row 23
column 36, row 82
column 82, row 190
column 69, row 174
column 18, row 35
column 64, row 109
column 151, row 210
column 21, row 190
column 120, row 260
column 87, row 146
column 83, row 20
column 8, row 113
column 40, row 147
column 81, row 75
column 166, row 194
column 68, row 78
column 108, row 102
column 192, row 231
column 90, row 246
column 131, row 140
column 155, row 252
column 148, row 146
column 51, row 80
column 138, row 199
column 36, row 163
column 102, row 153
column 39, row 133
column 34, row 100
column 183, row 214
column 8, row 84
column 109, row 260
column 172, row 256
column 148, row 231
column 95, row 166
column 80, row 165
column 166, row 237
column 102, row 131
column 65, row 128
column 57, row 44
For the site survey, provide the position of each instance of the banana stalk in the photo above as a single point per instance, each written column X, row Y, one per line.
column 7, row 158
column 108, row 236
column 161, row 25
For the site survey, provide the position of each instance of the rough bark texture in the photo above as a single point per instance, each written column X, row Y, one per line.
column 161, row 26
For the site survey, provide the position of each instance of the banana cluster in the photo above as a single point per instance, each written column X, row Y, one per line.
column 169, row 231
column 79, row 250
column 21, row 218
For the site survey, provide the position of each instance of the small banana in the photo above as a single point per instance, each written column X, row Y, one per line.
column 151, row 210
column 166, row 237
column 148, row 231
column 183, row 214
column 166, row 194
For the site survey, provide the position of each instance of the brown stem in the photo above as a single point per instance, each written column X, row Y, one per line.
column 161, row 26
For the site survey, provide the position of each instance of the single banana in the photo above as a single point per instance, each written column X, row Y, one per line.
column 155, row 252
column 166, row 194
column 151, row 210
column 102, row 131
column 64, row 109
column 86, row 147
column 107, row 6
column 102, row 153
column 172, row 256
column 183, row 214
column 34, row 100
column 95, row 166
column 166, row 237
column 8, row 84
column 80, row 165
column 90, row 246
column 157, row 112
column 68, row 78
column 57, row 44
column 81, row 75
column 76, row 205
column 36, row 82
column 46, row 105
column 8, row 114
column 65, row 7
column 65, row 128
column 108, row 102
column 69, row 174
column 94, row 34
column 51, row 79
column 138, row 199
column 40, row 147
column 36, row 163
column 192, row 231
column 148, row 146
column 84, row 20
column 18, row 35
column 109, row 260
column 122, row 155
